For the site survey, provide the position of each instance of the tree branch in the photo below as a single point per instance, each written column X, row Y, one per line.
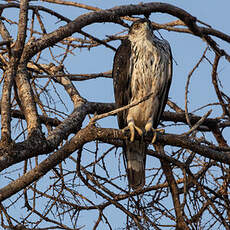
column 22, row 26
column 111, row 15
column 167, row 169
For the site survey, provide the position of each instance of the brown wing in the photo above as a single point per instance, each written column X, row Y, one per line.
column 164, row 91
column 122, row 80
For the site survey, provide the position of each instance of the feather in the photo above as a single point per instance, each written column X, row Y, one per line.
column 121, row 80
column 142, row 65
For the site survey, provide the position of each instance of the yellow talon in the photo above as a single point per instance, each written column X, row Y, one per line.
column 155, row 134
column 132, row 129
column 154, row 137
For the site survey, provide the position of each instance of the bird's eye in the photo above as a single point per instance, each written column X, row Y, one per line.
column 136, row 26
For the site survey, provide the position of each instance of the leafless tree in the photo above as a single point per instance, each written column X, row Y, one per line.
column 56, row 164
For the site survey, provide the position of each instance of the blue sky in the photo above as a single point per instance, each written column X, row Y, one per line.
column 186, row 50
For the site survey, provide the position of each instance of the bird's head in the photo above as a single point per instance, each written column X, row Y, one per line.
column 141, row 27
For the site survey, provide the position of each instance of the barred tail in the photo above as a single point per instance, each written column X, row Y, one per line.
column 135, row 157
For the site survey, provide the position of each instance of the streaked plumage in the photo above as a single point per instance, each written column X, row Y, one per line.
column 142, row 65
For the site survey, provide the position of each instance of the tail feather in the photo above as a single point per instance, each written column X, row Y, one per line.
column 136, row 157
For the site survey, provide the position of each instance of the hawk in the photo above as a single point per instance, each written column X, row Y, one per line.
column 142, row 65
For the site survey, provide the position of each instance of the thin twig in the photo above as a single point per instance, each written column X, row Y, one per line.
column 77, row 77
column 197, row 124
column 187, row 84
column 215, row 84
column 111, row 113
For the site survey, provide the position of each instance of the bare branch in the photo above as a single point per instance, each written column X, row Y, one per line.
column 111, row 113
column 187, row 84
column 215, row 84
column 22, row 26
column 193, row 128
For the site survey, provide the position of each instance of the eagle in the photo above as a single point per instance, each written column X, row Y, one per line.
column 142, row 66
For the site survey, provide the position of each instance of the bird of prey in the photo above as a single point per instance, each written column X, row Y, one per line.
column 142, row 65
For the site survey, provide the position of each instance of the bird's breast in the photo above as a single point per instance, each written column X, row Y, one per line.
column 147, row 76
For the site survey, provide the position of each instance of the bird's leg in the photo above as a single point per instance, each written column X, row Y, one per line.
column 132, row 127
column 149, row 128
